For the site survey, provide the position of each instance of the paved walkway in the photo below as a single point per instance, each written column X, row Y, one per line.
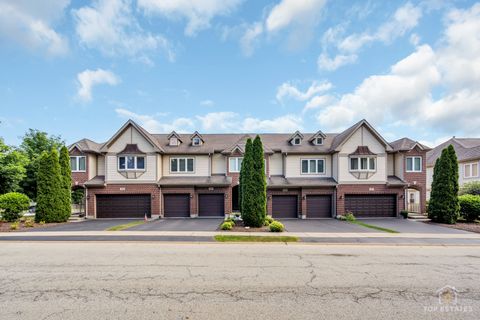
column 179, row 225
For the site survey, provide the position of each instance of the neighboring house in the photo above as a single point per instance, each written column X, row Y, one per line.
column 309, row 175
column 468, row 154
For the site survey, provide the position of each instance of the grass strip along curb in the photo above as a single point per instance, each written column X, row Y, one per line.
column 235, row 238
column 366, row 225
column 121, row 227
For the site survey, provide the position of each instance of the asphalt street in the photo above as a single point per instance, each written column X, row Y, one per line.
column 133, row 280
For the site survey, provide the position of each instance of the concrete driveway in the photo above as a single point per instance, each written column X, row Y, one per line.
column 186, row 224
column 87, row 225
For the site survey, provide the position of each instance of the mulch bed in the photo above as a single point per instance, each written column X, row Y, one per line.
column 472, row 227
column 5, row 226
column 239, row 227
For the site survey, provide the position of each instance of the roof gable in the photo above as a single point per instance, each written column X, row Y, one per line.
column 343, row 137
column 143, row 132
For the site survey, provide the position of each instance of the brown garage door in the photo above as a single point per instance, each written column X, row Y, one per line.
column 123, row 206
column 176, row 205
column 211, row 205
column 371, row 205
column 285, row 206
column 319, row 206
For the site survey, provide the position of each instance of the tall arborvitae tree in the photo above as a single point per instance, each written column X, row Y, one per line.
column 259, row 182
column 454, row 177
column 246, row 186
column 443, row 206
column 49, row 184
column 66, row 174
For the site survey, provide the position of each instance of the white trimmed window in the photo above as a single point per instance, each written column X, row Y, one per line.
column 470, row 170
column 235, row 164
column 126, row 163
column 173, row 141
column 414, row 164
column 362, row 164
column 296, row 141
column 313, row 166
column 319, row 141
column 78, row 163
column 182, row 165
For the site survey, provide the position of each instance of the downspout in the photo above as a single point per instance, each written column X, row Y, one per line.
column 86, row 202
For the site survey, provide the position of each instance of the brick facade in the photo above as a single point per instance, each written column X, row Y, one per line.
column 79, row 178
column 418, row 180
column 367, row 189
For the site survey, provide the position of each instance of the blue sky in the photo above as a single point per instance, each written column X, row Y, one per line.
column 81, row 69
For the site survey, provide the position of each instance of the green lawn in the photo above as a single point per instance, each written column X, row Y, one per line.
column 121, row 227
column 235, row 238
column 366, row 225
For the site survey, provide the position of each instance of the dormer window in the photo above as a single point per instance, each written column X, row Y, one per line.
column 296, row 141
column 196, row 141
column 318, row 141
column 173, row 141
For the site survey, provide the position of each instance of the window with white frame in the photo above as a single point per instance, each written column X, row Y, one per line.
column 182, row 165
column 173, row 141
column 78, row 163
column 470, row 170
column 362, row 164
column 296, row 141
column 313, row 166
column 414, row 164
column 319, row 141
column 235, row 164
column 131, row 162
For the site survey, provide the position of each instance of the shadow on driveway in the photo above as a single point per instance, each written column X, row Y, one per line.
column 185, row 224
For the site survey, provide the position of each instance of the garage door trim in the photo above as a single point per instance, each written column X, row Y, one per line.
column 374, row 205
column 138, row 204
column 180, row 207
column 211, row 205
column 325, row 203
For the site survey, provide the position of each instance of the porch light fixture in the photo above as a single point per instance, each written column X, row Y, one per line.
column 191, row 196
column 304, row 197
column 153, row 196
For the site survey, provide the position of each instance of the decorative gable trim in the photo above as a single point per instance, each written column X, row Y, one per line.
column 143, row 132
column 296, row 135
column 368, row 126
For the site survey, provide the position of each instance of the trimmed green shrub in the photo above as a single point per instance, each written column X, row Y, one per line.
column 50, row 206
column 470, row 188
column 469, row 207
column 276, row 226
column 269, row 219
column 350, row 217
column 13, row 204
column 226, row 225
column 230, row 220
column 404, row 214
column 15, row 225
column 66, row 183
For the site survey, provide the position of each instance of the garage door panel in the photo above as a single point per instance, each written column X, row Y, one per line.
column 176, row 205
column 211, row 205
column 371, row 205
column 319, row 206
column 123, row 206
column 285, row 206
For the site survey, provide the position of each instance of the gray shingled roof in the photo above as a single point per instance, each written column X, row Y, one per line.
column 96, row 181
column 466, row 149
column 282, row 182
column 226, row 143
column 86, row 145
column 406, row 144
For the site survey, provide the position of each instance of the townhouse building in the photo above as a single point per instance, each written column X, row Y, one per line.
column 309, row 175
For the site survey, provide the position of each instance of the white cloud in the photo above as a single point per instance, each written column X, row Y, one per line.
column 317, row 102
column 250, row 38
column 402, row 21
column 288, row 90
column 289, row 12
column 111, row 27
column 299, row 16
column 207, row 103
column 222, row 121
column 151, row 124
column 89, row 78
column 324, row 62
column 29, row 23
column 404, row 95
column 198, row 13
column 286, row 123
